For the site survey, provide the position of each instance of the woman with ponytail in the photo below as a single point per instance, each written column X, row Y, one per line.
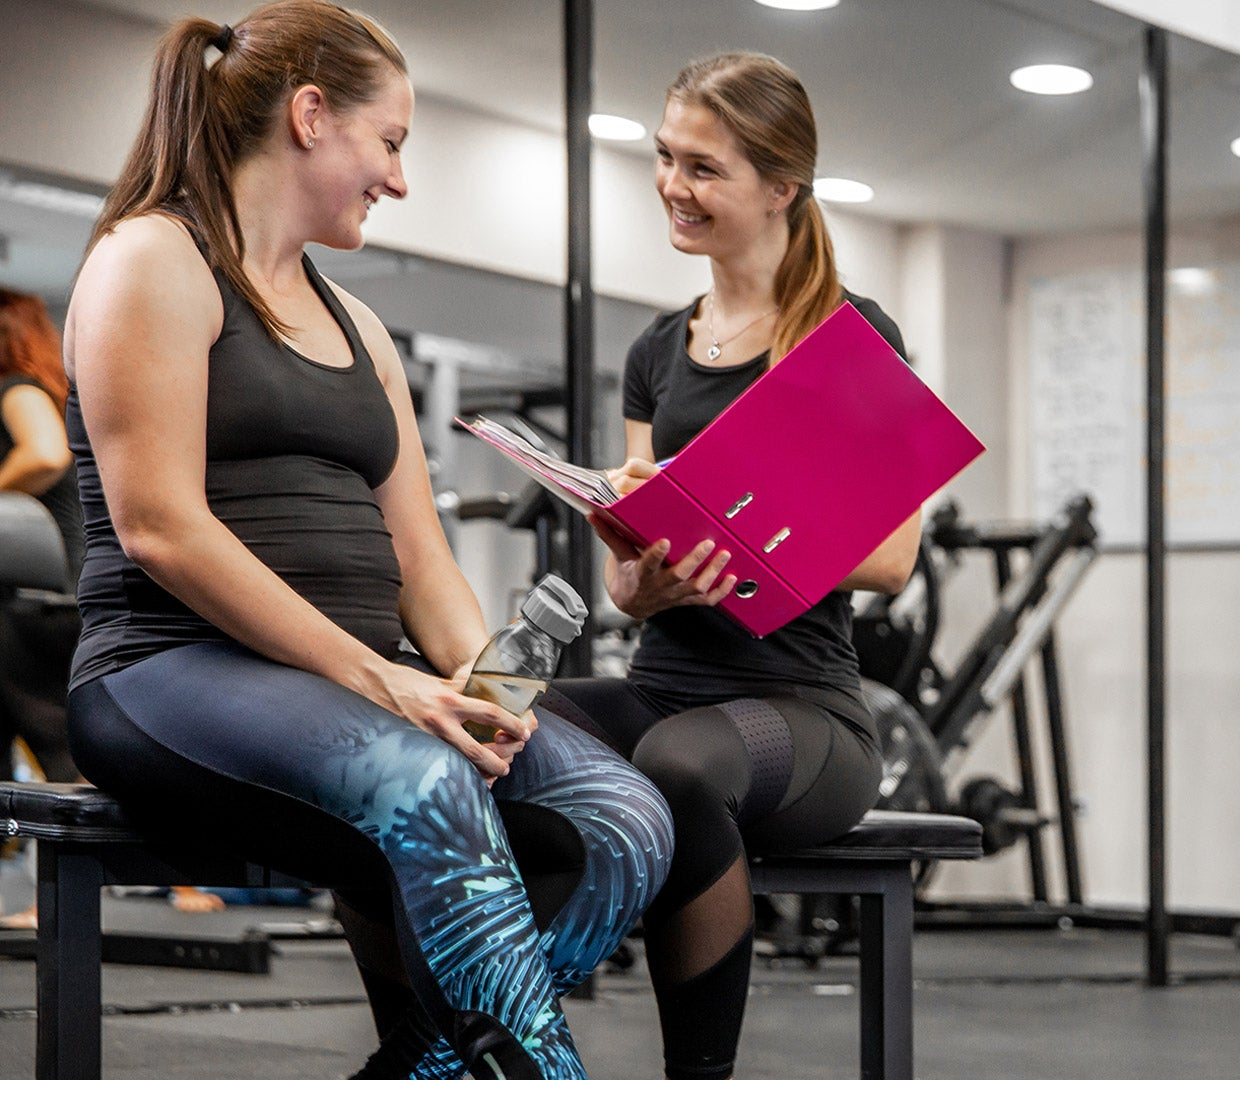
column 757, row 744
column 263, row 546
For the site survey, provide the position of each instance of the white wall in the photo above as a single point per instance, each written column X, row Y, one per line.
column 1103, row 641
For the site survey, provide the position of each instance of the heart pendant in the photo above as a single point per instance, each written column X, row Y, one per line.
column 714, row 353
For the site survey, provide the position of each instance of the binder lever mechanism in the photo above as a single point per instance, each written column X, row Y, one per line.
column 777, row 539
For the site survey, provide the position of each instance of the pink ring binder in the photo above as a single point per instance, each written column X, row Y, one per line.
column 807, row 472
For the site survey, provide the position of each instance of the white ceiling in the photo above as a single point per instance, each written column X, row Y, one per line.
column 912, row 96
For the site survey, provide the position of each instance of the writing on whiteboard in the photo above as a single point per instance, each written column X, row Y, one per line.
column 1087, row 403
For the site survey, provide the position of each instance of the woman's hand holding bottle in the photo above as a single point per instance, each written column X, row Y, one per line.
column 439, row 707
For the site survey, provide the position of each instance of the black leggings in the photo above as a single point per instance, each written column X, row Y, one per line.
column 37, row 639
column 751, row 774
column 290, row 769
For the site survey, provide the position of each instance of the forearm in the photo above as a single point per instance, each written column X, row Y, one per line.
column 255, row 607
column 442, row 617
column 888, row 568
column 24, row 471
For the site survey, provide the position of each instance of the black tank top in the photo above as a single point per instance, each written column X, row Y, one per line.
column 696, row 654
column 294, row 452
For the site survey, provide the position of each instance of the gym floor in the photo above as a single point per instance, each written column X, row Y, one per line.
column 1011, row 1003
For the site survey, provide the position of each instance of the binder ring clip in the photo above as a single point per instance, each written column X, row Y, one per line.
column 746, row 589
column 777, row 539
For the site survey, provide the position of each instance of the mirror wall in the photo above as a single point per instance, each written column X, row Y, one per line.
column 1004, row 236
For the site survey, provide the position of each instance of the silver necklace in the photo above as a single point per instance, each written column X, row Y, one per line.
column 716, row 346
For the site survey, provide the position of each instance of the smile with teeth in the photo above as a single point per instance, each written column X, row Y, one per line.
column 686, row 217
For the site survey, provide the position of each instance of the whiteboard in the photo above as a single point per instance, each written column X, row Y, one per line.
column 1087, row 403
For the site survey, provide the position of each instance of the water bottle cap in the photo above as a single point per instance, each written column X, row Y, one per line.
column 555, row 608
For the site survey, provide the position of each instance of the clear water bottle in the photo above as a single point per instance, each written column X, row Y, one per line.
column 518, row 661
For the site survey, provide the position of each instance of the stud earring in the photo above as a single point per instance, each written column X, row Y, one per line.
column 309, row 143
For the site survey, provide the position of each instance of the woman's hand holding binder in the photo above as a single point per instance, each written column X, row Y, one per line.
column 642, row 583
column 631, row 474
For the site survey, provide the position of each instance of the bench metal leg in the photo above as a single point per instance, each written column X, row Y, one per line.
column 885, row 891
column 887, row 976
column 70, row 950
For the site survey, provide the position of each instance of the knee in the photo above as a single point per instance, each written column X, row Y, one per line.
column 640, row 824
column 688, row 782
column 617, row 812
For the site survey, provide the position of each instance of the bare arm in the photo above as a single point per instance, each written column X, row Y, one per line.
column 40, row 453
column 145, row 314
column 888, row 568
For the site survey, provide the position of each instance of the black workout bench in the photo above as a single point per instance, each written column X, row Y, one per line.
column 85, row 842
column 876, row 863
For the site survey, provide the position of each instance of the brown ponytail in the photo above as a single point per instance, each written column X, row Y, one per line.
column 202, row 119
column 765, row 107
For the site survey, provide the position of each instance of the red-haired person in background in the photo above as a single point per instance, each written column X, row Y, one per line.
column 36, row 638
column 37, row 643
column 34, row 452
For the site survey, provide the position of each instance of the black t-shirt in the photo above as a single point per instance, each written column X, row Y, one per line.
column 698, row 653
column 294, row 451
column 61, row 499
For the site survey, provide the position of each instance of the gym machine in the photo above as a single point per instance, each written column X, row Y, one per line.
column 895, row 637
column 928, row 717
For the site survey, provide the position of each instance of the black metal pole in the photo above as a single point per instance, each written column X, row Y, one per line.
column 1024, row 754
column 579, row 305
column 1063, row 772
column 1154, row 156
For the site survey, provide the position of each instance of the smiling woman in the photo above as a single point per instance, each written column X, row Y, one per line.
column 754, row 742
column 358, row 160
column 258, row 560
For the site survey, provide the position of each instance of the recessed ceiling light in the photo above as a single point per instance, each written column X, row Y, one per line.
column 1193, row 281
column 616, row 129
column 1235, row 147
column 799, row 5
column 833, row 189
column 1052, row 80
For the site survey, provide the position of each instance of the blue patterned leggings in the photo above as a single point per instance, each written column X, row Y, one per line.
column 294, row 770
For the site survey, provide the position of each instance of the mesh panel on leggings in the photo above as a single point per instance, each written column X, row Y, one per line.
column 769, row 743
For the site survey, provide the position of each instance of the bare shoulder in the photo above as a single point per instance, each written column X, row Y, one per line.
column 150, row 257
column 152, row 242
column 146, row 274
column 22, row 404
